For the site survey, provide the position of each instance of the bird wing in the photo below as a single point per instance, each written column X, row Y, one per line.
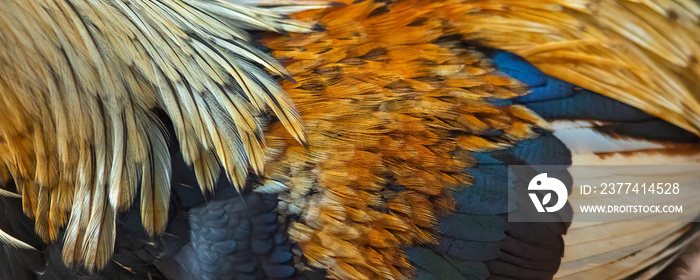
column 600, row 131
column 409, row 128
column 373, row 56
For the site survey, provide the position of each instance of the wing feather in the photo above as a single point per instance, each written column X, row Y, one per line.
column 643, row 53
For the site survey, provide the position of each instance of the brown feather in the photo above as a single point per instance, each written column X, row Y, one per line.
column 382, row 106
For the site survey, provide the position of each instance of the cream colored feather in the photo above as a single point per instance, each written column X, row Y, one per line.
column 14, row 242
column 79, row 84
column 617, row 249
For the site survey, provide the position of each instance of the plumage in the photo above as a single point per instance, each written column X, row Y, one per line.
column 620, row 49
column 399, row 124
column 80, row 93
column 212, row 139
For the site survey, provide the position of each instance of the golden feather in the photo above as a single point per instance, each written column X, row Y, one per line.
column 78, row 88
column 643, row 53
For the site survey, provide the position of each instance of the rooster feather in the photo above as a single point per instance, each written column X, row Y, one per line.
column 81, row 83
column 212, row 139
